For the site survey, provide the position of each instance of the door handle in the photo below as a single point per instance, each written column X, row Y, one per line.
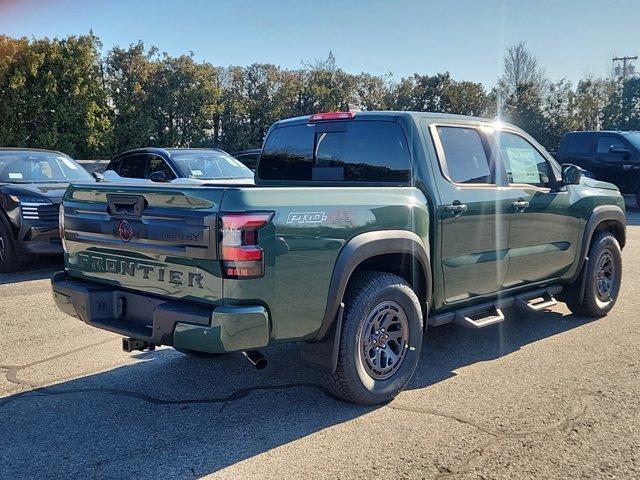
column 521, row 205
column 456, row 208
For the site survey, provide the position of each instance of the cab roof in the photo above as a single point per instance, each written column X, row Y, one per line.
column 21, row 149
column 619, row 132
column 394, row 115
column 168, row 151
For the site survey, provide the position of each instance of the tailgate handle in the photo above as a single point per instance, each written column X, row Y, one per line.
column 126, row 205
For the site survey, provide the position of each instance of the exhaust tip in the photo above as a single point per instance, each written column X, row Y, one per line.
column 262, row 364
column 256, row 358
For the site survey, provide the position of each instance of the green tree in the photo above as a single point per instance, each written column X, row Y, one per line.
column 52, row 96
column 439, row 93
column 325, row 87
column 559, row 110
column 524, row 97
column 524, row 109
column 622, row 112
column 130, row 74
column 253, row 99
column 235, row 111
column 593, row 102
column 185, row 98
column 521, row 68
column 371, row 92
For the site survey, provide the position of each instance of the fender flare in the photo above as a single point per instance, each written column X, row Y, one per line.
column 602, row 213
column 323, row 353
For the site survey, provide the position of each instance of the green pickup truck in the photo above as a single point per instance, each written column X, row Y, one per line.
column 360, row 229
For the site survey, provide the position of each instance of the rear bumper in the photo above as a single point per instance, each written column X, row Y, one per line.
column 184, row 325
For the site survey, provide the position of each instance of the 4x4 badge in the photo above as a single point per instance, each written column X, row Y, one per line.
column 125, row 231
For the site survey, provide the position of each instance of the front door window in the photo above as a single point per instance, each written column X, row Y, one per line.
column 524, row 164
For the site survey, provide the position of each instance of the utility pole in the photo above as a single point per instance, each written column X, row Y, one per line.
column 627, row 68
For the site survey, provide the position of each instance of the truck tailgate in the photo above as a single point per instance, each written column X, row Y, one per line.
column 160, row 240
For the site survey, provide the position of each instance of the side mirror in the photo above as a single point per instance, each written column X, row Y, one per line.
column 98, row 176
column 158, row 177
column 571, row 174
column 619, row 149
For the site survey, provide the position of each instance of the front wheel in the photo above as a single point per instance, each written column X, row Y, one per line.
column 603, row 277
column 380, row 340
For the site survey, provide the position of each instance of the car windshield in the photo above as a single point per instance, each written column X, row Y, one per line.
column 634, row 139
column 40, row 167
column 210, row 165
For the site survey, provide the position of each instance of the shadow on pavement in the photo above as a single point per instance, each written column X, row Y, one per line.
column 36, row 270
column 176, row 416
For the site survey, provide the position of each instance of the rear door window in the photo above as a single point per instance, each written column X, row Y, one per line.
column 465, row 158
column 114, row 165
column 159, row 164
column 576, row 143
column 605, row 142
column 351, row 151
column 133, row 166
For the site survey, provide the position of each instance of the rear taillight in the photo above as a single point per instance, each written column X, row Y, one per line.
column 240, row 254
column 61, row 226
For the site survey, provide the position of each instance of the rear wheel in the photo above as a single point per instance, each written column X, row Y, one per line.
column 9, row 261
column 380, row 340
column 602, row 278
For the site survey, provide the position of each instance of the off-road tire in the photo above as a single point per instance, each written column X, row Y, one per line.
column 9, row 261
column 195, row 353
column 351, row 380
column 602, row 243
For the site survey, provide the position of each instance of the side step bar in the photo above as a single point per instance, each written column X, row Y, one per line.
column 490, row 313
column 479, row 317
column 538, row 299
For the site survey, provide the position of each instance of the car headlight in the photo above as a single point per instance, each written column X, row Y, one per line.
column 27, row 200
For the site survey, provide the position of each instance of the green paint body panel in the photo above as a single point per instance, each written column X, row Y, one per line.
column 490, row 250
column 231, row 330
column 300, row 258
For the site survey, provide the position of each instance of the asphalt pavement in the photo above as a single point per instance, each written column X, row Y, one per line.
column 545, row 395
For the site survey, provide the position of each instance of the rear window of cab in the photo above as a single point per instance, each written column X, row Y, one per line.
column 347, row 151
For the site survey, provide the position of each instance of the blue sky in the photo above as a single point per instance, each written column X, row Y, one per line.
column 468, row 38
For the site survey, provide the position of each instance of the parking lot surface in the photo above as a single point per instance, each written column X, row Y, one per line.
column 548, row 395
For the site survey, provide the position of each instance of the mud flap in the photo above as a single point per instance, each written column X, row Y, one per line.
column 323, row 355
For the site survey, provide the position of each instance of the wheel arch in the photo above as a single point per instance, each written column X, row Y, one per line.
column 603, row 218
column 393, row 251
column 12, row 227
column 377, row 251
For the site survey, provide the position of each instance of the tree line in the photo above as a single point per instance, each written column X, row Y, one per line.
column 65, row 94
